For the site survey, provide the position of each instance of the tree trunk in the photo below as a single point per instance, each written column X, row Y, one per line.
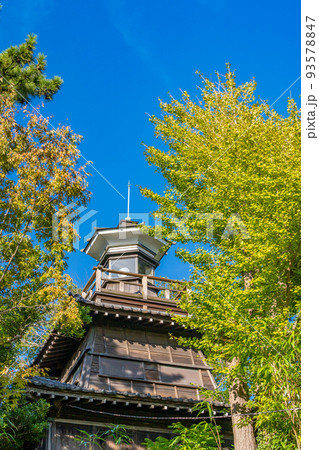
column 244, row 436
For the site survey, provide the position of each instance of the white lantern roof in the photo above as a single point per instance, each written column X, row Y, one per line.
column 127, row 238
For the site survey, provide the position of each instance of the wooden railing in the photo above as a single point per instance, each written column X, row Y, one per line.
column 141, row 286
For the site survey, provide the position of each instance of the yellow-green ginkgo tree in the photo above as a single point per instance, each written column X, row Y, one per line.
column 232, row 166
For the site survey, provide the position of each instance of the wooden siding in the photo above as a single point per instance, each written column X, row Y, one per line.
column 60, row 436
column 138, row 361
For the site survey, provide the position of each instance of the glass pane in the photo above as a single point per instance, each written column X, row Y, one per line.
column 178, row 375
column 121, row 368
column 144, row 268
column 124, row 265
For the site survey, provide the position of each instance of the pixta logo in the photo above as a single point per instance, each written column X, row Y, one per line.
column 234, row 225
column 72, row 214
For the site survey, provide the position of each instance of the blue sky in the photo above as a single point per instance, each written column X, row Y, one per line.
column 117, row 57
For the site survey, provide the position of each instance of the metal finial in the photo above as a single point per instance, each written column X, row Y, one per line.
column 128, row 201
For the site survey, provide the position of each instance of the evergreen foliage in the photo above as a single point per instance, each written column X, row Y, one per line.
column 200, row 436
column 117, row 434
column 22, row 73
column 23, row 427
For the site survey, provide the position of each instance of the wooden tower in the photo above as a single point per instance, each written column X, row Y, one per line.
column 127, row 369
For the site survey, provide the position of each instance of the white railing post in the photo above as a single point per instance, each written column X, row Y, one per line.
column 144, row 286
column 98, row 280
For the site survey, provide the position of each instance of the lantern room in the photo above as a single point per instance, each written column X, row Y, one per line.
column 126, row 248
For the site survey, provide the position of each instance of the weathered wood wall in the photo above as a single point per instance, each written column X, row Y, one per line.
column 133, row 360
column 61, row 435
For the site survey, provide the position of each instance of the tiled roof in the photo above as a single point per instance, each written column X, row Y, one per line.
column 113, row 307
column 48, row 385
column 58, row 348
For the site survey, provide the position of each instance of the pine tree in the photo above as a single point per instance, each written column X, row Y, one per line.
column 22, row 73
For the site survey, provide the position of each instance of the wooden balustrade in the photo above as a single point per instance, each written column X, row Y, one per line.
column 101, row 280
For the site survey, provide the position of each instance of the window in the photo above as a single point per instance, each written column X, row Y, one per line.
column 151, row 372
column 178, row 375
column 120, row 368
column 138, row 370
column 123, row 264
column 144, row 268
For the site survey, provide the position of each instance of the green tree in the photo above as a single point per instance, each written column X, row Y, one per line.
column 23, row 427
column 38, row 177
column 22, row 73
column 233, row 174
column 199, row 436
column 117, row 434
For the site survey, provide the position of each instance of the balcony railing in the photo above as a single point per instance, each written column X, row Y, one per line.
column 133, row 285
